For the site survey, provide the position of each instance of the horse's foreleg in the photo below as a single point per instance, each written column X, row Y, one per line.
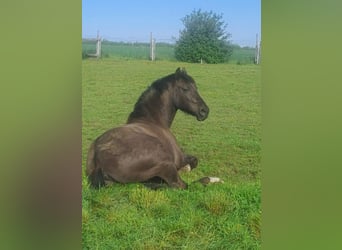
column 191, row 160
column 170, row 175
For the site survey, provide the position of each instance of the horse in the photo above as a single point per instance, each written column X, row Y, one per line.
column 144, row 150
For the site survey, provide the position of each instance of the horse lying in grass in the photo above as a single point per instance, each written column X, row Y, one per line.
column 144, row 149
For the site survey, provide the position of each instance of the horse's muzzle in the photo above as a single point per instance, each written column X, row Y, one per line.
column 203, row 113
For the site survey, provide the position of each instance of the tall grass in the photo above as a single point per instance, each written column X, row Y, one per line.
column 219, row 216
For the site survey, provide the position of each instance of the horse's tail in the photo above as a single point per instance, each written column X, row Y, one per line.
column 94, row 173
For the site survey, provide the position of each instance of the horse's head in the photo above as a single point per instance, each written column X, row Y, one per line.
column 186, row 96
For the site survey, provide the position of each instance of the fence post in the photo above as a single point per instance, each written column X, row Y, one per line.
column 257, row 51
column 98, row 45
column 152, row 48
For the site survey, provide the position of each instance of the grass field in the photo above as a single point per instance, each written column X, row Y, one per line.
column 219, row 216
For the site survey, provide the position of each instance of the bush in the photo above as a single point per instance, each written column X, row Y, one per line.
column 204, row 38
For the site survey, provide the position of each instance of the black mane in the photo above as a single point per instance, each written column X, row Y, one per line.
column 163, row 83
column 156, row 89
column 158, row 86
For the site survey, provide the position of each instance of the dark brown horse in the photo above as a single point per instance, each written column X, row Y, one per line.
column 144, row 149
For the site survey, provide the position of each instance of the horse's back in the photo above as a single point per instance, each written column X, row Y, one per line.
column 128, row 137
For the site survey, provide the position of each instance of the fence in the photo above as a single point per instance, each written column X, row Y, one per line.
column 163, row 51
column 134, row 50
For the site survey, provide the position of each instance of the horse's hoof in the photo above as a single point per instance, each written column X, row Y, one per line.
column 186, row 168
column 215, row 179
column 206, row 180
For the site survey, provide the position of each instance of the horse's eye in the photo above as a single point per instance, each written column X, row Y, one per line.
column 185, row 89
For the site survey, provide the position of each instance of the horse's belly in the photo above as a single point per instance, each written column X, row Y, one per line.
column 130, row 153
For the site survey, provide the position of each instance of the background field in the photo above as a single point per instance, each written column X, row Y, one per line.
column 219, row 216
column 164, row 51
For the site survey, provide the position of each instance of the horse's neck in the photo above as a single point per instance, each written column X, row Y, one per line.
column 159, row 111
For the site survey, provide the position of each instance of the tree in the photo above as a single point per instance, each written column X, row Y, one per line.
column 203, row 38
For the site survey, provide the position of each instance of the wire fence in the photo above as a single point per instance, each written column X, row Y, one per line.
column 164, row 50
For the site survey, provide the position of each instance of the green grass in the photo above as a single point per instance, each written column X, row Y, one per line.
column 219, row 216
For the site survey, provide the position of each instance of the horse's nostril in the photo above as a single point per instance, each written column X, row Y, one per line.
column 203, row 111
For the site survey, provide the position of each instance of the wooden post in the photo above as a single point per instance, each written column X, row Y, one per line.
column 152, row 48
column 257, row 50
column 259, row 54
column 98, row 45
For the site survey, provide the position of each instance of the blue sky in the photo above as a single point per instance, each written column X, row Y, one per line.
column 133, row 20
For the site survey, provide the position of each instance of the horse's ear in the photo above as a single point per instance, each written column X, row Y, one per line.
column 181, row 71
